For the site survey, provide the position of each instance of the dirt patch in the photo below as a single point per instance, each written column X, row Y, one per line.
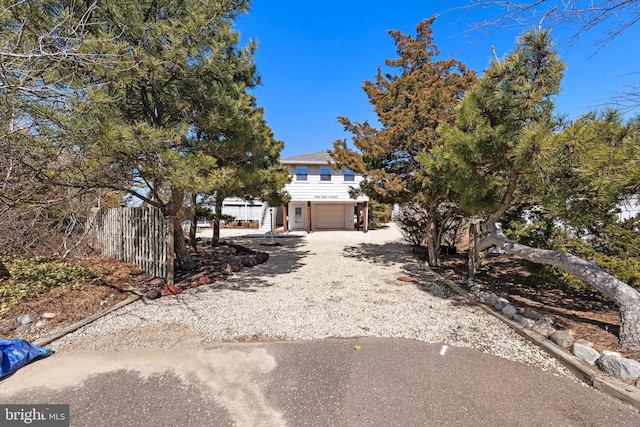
column 586, row 311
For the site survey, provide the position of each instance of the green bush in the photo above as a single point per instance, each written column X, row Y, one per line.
column 33, row 276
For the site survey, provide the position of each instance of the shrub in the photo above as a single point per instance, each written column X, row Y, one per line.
column 33, row 276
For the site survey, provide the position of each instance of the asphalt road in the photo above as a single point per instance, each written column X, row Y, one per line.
column 342, row 382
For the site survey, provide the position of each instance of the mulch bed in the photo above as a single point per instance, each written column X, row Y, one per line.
column 586, row 311
column 120, row 280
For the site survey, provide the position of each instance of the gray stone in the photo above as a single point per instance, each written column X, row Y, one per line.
column 509, row 310
column 152, row 294
column 23, row 327
column 533, row 315
column 543, row 328
column 620, row 367
column 524, row 321
column 158, row 281
column 500, row 303
column 482, row 296
column 584, row 342
column 48, row 315
column 474, row 289
column 562, row 338
column 40, row 323
column 26, row 318
column 585, row 352
column 491, row 299
column 611, row 353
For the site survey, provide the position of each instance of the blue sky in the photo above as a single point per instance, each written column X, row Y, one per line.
column 313, row 58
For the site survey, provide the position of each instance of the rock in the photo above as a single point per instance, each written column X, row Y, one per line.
column 562, row 338
column 482, row 296
column 171, row 290
column 611, row 353
column 500, row 303
column 509, row 310
column 491, row 299
column 524, row 321
column 26, row 318
column 262, row 257
column 48, row 315
column 543, row 328
column 40, row 323
column 205, row 280
column 22, row 328
column 584, row 342
column 248, row 261
column 533, row 315
column 152, row 294
column 620, row 367
column 585, row 352
column 158, row 281
column 474, row 289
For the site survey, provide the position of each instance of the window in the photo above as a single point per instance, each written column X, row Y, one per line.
column 349, row 175
column 301, row 173
column 325, row 174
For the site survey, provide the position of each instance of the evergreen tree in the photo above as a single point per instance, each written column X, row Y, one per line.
column 494, row 159
column 410, row 106
column 136, row 124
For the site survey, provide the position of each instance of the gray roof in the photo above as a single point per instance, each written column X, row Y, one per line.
column 319, row 158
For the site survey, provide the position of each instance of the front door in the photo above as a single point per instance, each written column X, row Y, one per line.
column 297, row 217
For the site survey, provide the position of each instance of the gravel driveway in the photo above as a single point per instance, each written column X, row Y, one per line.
column 327, row 284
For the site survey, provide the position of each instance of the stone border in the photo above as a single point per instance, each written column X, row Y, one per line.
column 609, row 385
column 68, row 329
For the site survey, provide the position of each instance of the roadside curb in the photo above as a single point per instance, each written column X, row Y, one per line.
column 74, row 326
column 609, row 385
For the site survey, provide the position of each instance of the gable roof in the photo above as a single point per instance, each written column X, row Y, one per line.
column 318, row 158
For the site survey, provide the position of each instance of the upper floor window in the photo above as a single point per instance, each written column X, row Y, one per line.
column 325, row 174
column 349, row 175
column 301, row 173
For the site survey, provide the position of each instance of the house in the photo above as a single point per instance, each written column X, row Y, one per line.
column 320, row 198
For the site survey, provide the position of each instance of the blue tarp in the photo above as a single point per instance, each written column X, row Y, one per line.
column 16, row 353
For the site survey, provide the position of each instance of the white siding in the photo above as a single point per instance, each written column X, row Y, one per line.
column 315, row 190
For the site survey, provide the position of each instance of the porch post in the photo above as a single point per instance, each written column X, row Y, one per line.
column 308, row 216
column 366, row 217
column 284, row 219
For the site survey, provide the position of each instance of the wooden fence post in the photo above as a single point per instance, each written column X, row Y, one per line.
column 171, row 255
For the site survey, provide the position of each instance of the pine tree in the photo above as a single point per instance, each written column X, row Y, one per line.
column 494, row 157
column 410, row 106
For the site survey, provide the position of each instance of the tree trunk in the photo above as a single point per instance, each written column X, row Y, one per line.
column 183, row 257
column 216, row 221
column 432, row 240
column 194, row 224
column 4, row 272
column 626, row 298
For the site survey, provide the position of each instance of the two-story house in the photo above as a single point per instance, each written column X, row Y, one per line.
column 320, row 197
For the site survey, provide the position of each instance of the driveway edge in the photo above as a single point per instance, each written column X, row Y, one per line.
column 74, row 326
column 611, row 386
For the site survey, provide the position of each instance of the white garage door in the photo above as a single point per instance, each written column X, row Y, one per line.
column 330, row 216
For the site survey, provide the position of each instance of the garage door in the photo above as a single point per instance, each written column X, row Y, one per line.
column 330, row 216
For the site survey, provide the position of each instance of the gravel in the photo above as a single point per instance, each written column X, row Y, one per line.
column 327, row 284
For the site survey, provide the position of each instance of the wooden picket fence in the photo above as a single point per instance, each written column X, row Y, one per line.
column 135, row 235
